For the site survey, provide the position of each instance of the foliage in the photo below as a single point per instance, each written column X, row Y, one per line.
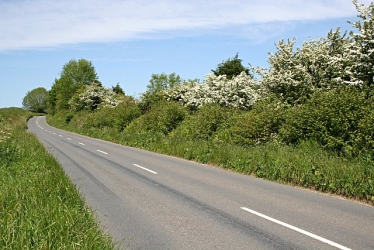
column 360, row 50
column 159, row 82
column 117, row 118
column 204, row 123
column 240, row 92
column 330, row 118
column 230, row 68
column 148, row 99
column 325, row 63
column 74, row 75
column 36, row 100
column 293, row 75
column 118, row 90
column 40, row 208
column 93, row 95
column 124, row 113
column 162, row 118
column 257, row 126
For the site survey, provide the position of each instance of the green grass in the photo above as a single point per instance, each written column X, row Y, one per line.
column 39, row 207
column 308, row 165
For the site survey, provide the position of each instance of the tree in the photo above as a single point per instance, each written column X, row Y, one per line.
column 157, row 84
column 162, row 81
column 231, row 67
column 118, row 90
column 36, row 100
column 74, row 75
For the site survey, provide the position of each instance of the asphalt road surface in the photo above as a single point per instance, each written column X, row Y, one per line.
column 151, row 201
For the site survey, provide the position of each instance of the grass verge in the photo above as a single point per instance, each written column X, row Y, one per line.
column 39, row 207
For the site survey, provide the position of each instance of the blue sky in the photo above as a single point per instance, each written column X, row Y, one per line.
column 129, row 40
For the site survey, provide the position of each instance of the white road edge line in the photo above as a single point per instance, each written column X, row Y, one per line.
column 146, row 169
column 297, row 229
column 102, row 152
column 81, row 143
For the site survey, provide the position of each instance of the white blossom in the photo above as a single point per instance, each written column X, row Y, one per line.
column 93, row 96
column 241, row 92
column 360, row 50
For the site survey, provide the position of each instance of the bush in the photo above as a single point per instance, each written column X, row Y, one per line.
column 331, row 118
column 364, row 140
column 124, row 114
column 259, row 125
column 204, row 123
column 163, row 117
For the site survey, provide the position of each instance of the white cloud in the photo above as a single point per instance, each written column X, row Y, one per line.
column 45, row 23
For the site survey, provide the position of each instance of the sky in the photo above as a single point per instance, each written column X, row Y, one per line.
column 127, row 41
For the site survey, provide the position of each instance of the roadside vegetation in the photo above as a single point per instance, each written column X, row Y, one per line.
column 306, row 120
column 39, row 207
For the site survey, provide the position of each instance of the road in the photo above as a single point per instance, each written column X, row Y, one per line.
column 151, row 201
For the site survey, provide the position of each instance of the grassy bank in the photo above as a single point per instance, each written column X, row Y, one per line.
column 39, row 207
column 307, row 165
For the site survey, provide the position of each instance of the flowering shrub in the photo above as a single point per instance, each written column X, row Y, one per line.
column 360, row 50
column 293, row 75
column 241, row 92
column 323, row 64
column 92, row 96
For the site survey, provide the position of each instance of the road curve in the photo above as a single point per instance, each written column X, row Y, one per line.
column 151, row 201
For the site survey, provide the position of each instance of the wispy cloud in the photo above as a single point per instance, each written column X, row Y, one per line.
column 45, row 23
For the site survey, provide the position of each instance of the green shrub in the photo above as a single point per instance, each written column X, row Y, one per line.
column 99, row 119
column 259, row 125
column 331, row 118
column 364, row 142
column 161, row 118
column 201, row 125
column 124, row 114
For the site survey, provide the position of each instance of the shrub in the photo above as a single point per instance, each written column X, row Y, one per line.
column 124, row 114
column 259, row 125
column 204, row 123
column 364, row 142
column 163, row 117
column 331, row 118
column 240, row 92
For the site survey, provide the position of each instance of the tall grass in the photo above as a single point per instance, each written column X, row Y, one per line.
column 39, row 207
column 306, row 165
